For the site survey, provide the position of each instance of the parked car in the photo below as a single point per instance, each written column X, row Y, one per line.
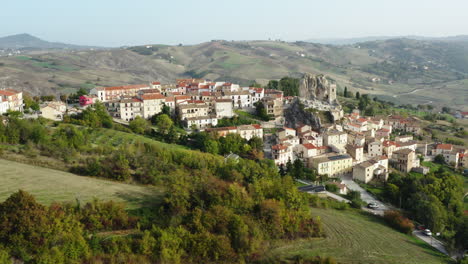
column 427, row 232
column 372, row 206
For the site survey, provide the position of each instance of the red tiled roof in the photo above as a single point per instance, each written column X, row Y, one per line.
column 206, row 94
column 279, row 147
column 195, row 101
column 152, row 96
column 309, row 146
column 155, row 83
column 257, row 126
column 444, row 146
column 362, row 120
column 170, row 99
column 6, row 93
column 126, row 87
column 223, row 100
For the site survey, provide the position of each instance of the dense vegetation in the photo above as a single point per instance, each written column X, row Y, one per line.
column 214, row 210
column 434, row 200
column 290, row 86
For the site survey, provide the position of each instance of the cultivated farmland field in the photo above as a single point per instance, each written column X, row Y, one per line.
column 353, row 237
column 49, row 186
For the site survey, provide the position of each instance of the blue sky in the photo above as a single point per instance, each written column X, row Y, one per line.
column 130, row 22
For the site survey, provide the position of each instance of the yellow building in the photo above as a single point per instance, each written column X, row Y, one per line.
column 333, row 165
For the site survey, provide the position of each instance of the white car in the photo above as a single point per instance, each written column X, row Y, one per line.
column 427, row 232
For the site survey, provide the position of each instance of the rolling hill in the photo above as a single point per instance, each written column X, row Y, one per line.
column 403, row 70
column 29, row 42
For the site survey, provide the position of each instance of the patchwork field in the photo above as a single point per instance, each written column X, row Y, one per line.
column 353, row 237
column 49, row 186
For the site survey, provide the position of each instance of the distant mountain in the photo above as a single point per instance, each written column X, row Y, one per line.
column 26, row 41
column 351, row 41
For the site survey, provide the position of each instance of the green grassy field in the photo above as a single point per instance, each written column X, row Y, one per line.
column 49, row 186
column 354, row 237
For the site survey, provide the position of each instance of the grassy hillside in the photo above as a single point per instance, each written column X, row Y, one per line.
column 410, row 71
column 57, row 186
column 353, row 237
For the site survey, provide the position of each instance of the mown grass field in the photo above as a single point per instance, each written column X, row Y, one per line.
column 353, row 237
column 50, row 186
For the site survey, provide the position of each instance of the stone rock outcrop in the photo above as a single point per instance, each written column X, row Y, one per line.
column 317, row 87
column 295, row 115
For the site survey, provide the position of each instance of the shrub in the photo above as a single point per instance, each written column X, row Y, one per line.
column 399, row 222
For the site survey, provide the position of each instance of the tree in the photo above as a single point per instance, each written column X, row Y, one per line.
column 164, row 123
column 139, row 125
column 439, row 159
column 63, row 98
column 261, row 111
column 273, row 84
column 298, row 169
column 255, row 84
column 358, row 95
column 346, row 92
column 256, row 143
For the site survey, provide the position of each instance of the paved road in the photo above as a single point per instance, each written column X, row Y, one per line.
column 329, row 194
column 365, row 196
column 431, row 241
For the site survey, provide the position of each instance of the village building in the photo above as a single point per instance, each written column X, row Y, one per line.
column 375, row 149
column 240, row 99
column 273, row 106
column 223, row 108
column 281, row 154
column 357, row 152
column 450, row 154
column 200, row 122
column 405, row 160
column 11, row 100
column 152, row 104
column 53, row 110
column 286, row 131
column 335, row 138
column 333, row 165
column 106, row 94
column 125, row 109
column 371, row 169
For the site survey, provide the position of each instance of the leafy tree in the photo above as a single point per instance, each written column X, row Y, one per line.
column 261, row 111
column 164, row 124
column 358, row 95
column 273, row 84
column 140, row 125
column 439, row 159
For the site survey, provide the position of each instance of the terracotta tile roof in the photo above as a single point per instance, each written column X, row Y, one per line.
column 125, row 87
column 6, row 93
column 279, row 147
column 152, row 96
column 309, row 146
column 155, row 83
column 257, row 126
column 223, row 100
column 444, row 146
column 170, row 99
column 206, row 94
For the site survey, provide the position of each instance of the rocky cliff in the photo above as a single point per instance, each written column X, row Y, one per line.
column 317, row 87
column 295, row 115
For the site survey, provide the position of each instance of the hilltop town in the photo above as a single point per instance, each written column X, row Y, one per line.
column 355, row 145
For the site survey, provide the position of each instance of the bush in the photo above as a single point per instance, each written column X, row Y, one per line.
column 399, row 222
column 331, row 187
